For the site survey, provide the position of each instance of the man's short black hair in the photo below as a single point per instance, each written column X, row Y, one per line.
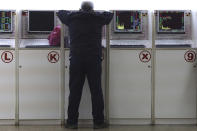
column 87, row 6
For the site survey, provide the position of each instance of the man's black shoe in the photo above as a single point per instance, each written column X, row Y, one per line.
column 100, row 126
column 71, row 126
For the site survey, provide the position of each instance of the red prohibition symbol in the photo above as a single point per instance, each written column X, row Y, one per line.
column 190, row 56
column 53, row 57
column 145, row 56
column 7, row 56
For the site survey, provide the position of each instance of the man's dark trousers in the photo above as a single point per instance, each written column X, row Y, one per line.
column 80, row 67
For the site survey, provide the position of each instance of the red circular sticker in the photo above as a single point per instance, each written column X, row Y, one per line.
column 53, row 57
column 7, row 56
column 145, row 56
column 190, row 56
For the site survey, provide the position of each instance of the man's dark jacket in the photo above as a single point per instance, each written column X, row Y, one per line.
column 85, row 29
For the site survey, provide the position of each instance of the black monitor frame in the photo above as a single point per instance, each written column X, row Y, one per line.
column 127, row 31
column 11, row 11
column 40, row 11
column 171, row 31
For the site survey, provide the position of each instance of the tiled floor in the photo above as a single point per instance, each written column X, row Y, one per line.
column 111, row 128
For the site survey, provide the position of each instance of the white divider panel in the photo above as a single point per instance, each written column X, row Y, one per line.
column 175, row 85
column 130, row 85
column 67, row 63
column 7, row 85
column 39, row 85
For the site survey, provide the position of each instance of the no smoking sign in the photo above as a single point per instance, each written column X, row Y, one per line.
column 7, row 56
column 145, row 56
column 190, row 56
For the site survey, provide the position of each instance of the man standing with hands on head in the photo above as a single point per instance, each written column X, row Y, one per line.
column 85, row 30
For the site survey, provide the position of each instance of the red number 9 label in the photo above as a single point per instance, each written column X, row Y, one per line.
column 190, row 56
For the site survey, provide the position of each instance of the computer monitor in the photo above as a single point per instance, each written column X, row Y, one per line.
column 170, row 22
column 41, row 21
column 128, row 21
column 5, row 21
